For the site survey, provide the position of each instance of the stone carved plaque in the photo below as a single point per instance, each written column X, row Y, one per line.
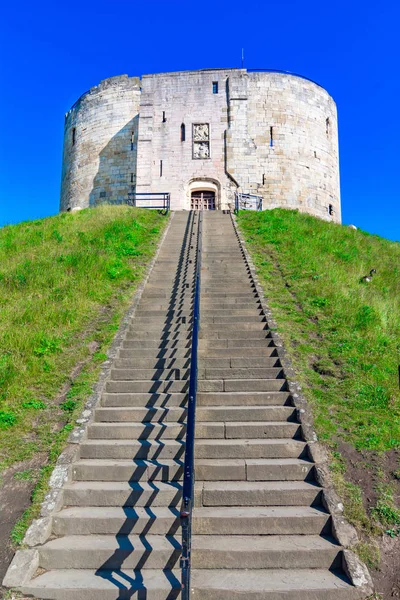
column 201, row 132
column 201, row 140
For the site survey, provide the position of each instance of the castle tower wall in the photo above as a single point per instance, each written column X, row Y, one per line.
column 100, row 139
column 166, row 157
column 216, row 130
column 282, row 142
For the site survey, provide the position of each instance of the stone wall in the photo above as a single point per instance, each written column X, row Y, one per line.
column 100, row 144
column 220, row 130
column 166, row 162
column 282, row 142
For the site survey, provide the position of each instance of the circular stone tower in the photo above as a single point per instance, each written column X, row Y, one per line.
column 202, row 136
column 100, row 137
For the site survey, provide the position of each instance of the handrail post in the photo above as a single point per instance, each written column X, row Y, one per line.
column 188, row 469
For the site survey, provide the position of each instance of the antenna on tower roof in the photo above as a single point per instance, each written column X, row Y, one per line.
column 242, row 58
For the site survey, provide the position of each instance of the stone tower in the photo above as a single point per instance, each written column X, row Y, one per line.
column 202, row 136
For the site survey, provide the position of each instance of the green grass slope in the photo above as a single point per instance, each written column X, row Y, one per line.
column 343, row 336
column 64, row 284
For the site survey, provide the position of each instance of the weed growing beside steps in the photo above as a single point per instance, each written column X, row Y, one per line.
column 343, row 336
column 65, row 282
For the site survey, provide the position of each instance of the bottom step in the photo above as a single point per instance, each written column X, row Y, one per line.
column 280, row 584
column 80, row 584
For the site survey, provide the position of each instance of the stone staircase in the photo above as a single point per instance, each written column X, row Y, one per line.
column 260, row 531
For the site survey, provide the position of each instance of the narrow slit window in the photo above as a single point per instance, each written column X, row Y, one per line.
column 328, row 126
column 161, row 167
column 183, row 132
column 271, row 136
column 131, row 177
column 330, row 210
column 73, row 136
column 215, row 87
column 132, row 140
column 164, row 118
column 263, row 179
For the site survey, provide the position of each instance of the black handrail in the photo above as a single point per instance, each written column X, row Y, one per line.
column 157, row 200
column 188, row 470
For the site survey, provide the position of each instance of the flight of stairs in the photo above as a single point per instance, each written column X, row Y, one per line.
column 260, row 531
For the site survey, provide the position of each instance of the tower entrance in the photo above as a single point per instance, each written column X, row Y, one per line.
column 202, row 200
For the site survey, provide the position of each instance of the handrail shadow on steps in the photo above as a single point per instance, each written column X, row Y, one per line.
column 188, row 469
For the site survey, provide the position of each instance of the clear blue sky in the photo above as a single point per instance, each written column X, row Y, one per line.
column 52, row 52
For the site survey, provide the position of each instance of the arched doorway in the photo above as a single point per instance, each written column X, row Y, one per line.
column 203, row 194
column 202, row 200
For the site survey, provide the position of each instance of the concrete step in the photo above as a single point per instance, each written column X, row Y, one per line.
column 237, row 373
column 154, row 353
column 288, row 495
column 161, row 337
column 148, row 386
column 113, row 520
column 152, row 363
column 234, row 325
column 266, row 448
column 106, row 552
column 233, row 319
column 207, row 345
column 243, row 356
column 127, row 470
column 270, row 584
column 237, row 334
column 157, row 345
column 122, row 493
column 133, row 449
column 257, row 469
column 140, row 415
column 257, row 430
column 241, row 385
column 228, row 413
column 149, row 374
column 261, row 362
column 265, row 552
column 240, row 399
column 82, row 584
column 139, row 431
column 148, row 400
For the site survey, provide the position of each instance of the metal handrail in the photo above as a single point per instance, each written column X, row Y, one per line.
column 248, row 202
column 188, row 469
column 164, row 198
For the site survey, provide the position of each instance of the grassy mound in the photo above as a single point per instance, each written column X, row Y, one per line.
column 64, row 284
column 343, row 335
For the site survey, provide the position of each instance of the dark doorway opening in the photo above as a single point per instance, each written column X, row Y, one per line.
column 202, row 200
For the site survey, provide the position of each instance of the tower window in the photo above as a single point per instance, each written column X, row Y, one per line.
column 328, row 126
column 132, row 139
column 271, row 136
column 73, row 136
column 183, row 132
column 131, row 177
column 330, row 210
column 215, row 87
column 164, row 118
column 161, row 168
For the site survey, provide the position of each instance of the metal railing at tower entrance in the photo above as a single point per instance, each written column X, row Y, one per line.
column 152, row 200
column 247, row 202
column 188, row 468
